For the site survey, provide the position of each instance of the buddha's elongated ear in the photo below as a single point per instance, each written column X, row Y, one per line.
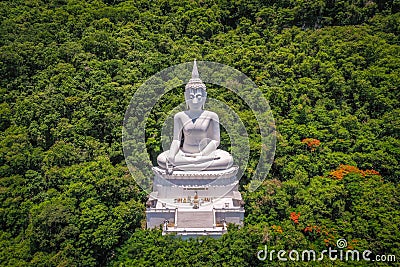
column 205, row 96
column 186, row 94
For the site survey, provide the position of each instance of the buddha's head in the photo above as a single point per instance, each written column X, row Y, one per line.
column 195, row 91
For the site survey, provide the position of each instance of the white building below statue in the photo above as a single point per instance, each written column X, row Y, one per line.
column 193, row 203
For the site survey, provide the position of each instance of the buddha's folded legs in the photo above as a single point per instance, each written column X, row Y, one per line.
column 218, row 160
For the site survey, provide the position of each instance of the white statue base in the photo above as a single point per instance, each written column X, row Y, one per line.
column 192, row 203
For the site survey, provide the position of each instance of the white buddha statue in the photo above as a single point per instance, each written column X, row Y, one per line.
column 201, row 134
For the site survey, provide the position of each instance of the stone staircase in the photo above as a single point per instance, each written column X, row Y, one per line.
column 195, row 219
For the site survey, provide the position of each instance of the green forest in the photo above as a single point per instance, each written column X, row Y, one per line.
column 330, row 71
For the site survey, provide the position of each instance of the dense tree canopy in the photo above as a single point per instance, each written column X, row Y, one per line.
column 68, row 69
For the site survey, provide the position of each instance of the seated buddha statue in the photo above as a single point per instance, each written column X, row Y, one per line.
column 200, row 132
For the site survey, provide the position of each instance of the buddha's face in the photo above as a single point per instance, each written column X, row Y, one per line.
column 195, row 98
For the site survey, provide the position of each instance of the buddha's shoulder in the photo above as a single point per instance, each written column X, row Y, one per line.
column 211, row 114
column 180, row 114
column 207, row 113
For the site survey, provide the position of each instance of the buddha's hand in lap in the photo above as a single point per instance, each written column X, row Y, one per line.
column 201, row 157
column 193, row 155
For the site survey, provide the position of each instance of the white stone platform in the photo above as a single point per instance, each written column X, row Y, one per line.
column 195, row 175
column 172, row 202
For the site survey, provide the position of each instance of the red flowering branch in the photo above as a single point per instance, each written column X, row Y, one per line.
column 295, row 217
column 311, row 143
column 343, row 170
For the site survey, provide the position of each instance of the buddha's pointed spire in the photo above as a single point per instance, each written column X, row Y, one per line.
column 195, row 81
column 195, row 71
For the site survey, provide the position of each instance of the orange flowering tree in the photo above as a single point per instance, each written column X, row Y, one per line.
column 343, row 170
column 311, row 143
column 295, row 217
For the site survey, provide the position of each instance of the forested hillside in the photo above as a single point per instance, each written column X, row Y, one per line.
column 68, row 69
